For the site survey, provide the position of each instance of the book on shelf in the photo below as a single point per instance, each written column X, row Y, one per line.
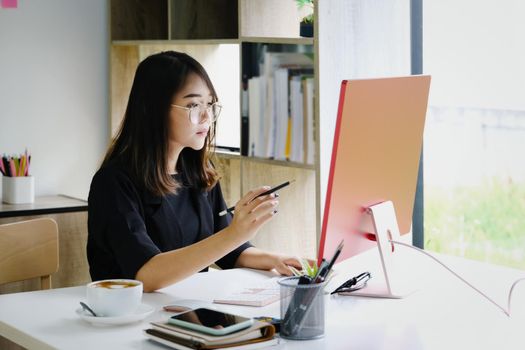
column 308, row 114
column 268, row 150
column 296, row 115
column 259, row 335
column 254, row 110
column 296, row 143
column 279, row 108
column 281, row 112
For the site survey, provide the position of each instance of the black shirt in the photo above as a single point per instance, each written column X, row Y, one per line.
column 127, row 226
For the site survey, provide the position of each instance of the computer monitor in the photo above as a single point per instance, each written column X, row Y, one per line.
column 375, row 158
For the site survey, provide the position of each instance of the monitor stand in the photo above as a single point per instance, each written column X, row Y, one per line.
column 383, row 223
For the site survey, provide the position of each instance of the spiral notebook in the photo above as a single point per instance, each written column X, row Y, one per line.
column 262, row 294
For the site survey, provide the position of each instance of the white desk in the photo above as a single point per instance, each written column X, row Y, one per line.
column 442, row 314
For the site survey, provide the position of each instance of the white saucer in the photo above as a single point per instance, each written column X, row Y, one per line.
column 141, row 313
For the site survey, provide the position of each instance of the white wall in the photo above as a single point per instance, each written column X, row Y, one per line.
column 54, row 90
column 373, row 41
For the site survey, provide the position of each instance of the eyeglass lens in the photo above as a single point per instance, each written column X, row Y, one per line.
column 199, row 114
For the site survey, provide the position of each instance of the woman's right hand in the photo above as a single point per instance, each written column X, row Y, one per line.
column 252, row 212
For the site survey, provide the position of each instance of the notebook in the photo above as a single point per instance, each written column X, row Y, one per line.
column 259, row 335
column 262, row 294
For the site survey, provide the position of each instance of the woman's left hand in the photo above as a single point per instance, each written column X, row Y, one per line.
column 255, row 258
column 282, row 263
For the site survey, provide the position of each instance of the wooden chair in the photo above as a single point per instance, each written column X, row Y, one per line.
column 29, row 249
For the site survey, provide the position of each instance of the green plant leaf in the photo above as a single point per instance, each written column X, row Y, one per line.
column 302, row 3
column 308, row 19
column 308, row 3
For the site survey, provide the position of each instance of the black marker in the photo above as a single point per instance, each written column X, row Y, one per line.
column 270, row 191
column 323, row 273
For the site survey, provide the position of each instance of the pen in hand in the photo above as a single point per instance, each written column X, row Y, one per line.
column 270, row 191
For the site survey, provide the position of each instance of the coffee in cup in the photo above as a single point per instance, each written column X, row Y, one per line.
column 114, row 297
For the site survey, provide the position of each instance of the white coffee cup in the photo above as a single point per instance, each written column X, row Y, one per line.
column 114, row 297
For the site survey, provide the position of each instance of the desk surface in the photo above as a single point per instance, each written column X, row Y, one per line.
column 441, row 314
column 44, row 205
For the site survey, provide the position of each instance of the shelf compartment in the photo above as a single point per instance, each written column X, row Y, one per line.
column 139, row 20
column 203, row 19
column 270, row 18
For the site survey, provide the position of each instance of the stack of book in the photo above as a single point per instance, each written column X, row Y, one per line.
column 259, row 335
column 280, row 108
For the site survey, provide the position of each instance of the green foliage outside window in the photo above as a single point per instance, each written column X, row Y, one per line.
column 485, row 222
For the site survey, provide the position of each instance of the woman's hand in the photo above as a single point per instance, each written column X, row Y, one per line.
column 259, row 259
column 252, row 212
column 282, row 263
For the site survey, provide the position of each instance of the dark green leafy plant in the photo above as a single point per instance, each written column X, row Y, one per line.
column 309, row 4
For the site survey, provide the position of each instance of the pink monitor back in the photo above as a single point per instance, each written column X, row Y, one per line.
column 375, row 157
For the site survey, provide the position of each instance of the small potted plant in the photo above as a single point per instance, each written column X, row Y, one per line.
column 307, row 23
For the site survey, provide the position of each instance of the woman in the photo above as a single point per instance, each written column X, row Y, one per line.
column 154, row 203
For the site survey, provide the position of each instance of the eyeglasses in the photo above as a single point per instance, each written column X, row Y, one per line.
column 353, row 284
column 197, row 115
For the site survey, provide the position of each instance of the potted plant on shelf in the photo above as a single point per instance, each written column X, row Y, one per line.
column 307, row 23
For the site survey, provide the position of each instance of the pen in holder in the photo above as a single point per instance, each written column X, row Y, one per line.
column 302, row 309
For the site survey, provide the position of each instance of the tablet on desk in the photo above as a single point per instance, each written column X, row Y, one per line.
column 211, row 321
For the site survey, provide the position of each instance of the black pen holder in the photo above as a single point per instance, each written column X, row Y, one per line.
column 302, row 309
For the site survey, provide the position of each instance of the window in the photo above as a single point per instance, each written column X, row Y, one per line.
column 474, row 151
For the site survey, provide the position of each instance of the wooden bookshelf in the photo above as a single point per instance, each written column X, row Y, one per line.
column 200, row 28
column 215, row 30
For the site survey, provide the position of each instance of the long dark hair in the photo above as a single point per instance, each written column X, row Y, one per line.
column 141, row 144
